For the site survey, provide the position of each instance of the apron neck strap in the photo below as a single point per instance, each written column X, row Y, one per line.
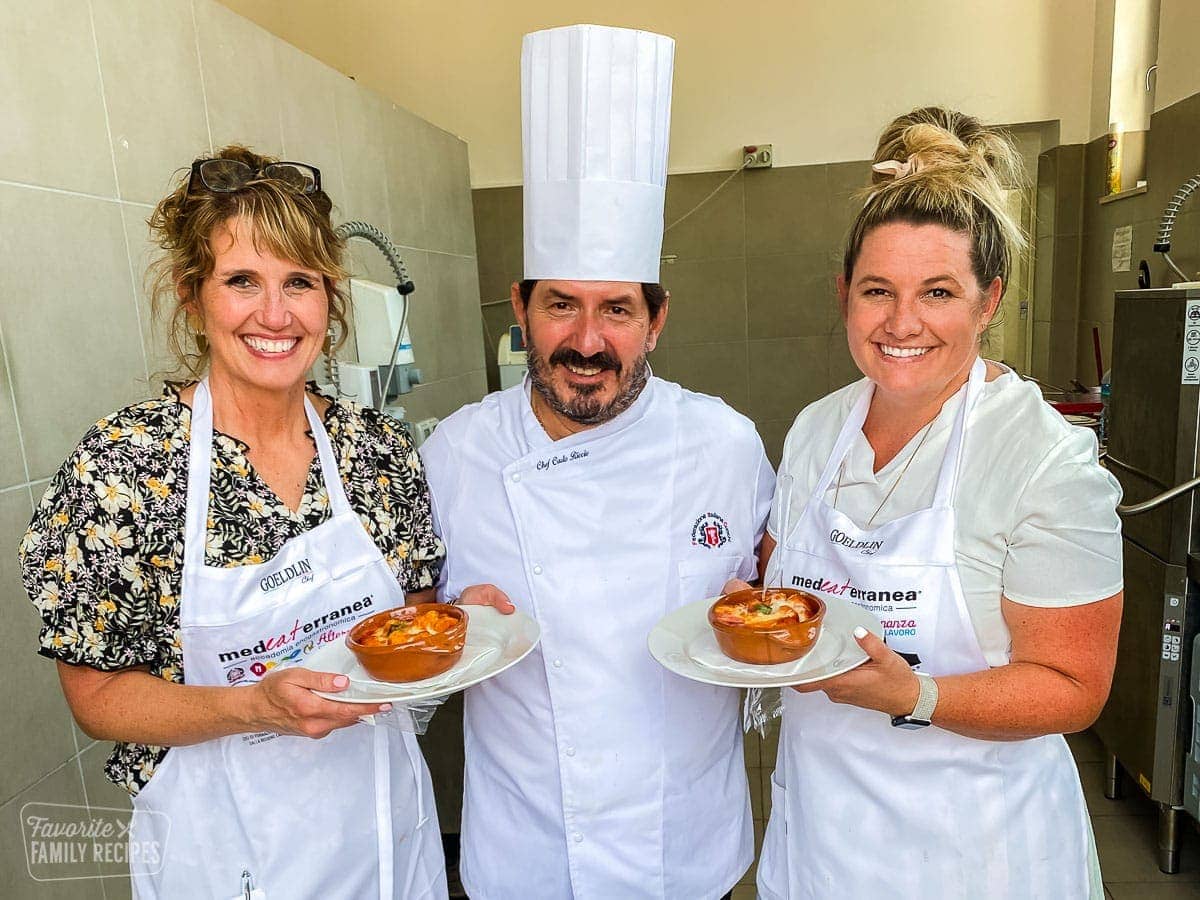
column 200, row 471
column 947, row 475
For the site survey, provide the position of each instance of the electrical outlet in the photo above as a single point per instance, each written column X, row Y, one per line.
column 758, row 156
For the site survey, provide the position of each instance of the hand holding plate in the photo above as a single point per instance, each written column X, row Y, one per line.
column 284, row 702
column 735, row 584
column 486, row 595
column 885, row 682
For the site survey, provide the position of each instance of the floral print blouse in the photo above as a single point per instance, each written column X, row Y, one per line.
column 103, row 555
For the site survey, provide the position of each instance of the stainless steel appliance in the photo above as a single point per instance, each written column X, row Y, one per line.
column 1154, row 449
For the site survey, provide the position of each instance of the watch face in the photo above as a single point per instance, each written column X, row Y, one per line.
column 909, row 723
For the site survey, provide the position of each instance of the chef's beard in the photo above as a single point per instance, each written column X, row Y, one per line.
column 583, row 406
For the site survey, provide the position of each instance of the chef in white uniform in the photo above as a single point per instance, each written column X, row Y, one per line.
column 598, row 497
column 943, row 495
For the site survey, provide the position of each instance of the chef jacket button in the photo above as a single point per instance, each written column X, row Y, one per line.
column 558, row 664
column 577, row 838
column 516, row 477
column 537, row 570
column 570, row 751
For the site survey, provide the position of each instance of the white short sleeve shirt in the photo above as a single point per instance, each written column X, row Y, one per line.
column 1036, row 513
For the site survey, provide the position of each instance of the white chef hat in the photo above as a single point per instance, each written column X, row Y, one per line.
column 596, row 117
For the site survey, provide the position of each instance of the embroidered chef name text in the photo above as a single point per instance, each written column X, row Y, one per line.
column 559, row 459
column 267, row 644
column 301, row 569
column 849, row 591
column 866, row 548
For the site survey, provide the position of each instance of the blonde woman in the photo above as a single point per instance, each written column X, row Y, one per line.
column 944, row 495
column 195, row 547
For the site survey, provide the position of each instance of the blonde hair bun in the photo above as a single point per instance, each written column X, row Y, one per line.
column 939, row 166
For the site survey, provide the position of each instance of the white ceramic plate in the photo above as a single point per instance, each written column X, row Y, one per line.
column 683, row 639
column 494, row 642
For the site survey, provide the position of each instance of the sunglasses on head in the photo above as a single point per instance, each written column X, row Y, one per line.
column 224, row 176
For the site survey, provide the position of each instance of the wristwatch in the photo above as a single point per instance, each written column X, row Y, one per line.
column 927, row 697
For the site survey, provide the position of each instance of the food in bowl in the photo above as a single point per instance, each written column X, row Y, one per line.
column 764, row 628
column 410, row 643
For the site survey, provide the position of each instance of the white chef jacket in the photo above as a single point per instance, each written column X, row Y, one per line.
column 1036, row 514
column 591, row 771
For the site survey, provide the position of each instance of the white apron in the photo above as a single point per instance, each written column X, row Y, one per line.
column 347, row 816
column 861, row 809
column 591, row 771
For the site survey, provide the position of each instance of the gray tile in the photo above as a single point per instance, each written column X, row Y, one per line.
column 846, row 180
column 842, row 368
column 12, row 460
column 1127, row 846
column 717, row 369
column 1132, row 803
column 360, row 122
column 786, row 375
column 1047, row 177
column 60, row 787
column 791, row 295
column 50, row 99
column 787, row 211
column 1069, row 195
column 155, row 326
column 104, row 798
column 1063, row 347
column 85, row 299
column 39, row 735
column 1064, row 305
column 406, row 172
column 101, row 792
column 773, row 432
column 308, row 119
column 1041, row 351
column 441, row 398
column 708, row 301
column 1143, row 891
column 458, row 321
column 446, row 187
column 241, row 80
column 152, row 90
column 496, row 322
column 1043, row 279
column 498, row 239
column 716, row 229
column 1086, row 747
column 660, row 361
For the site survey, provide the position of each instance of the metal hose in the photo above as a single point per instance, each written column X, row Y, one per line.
column 404, row 285
column 368, row 232
column 1167, row 224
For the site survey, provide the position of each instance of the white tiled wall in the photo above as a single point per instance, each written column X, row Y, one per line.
column 103, row 102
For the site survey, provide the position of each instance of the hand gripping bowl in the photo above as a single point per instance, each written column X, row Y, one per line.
column 409, row 643
column 778, row 627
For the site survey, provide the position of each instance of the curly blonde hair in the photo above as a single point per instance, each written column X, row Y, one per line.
column 953, row 172
column 284, row 221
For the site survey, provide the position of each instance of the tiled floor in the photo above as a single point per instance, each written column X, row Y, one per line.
column 1126, row 830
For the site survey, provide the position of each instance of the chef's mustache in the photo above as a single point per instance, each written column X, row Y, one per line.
column 565, row 356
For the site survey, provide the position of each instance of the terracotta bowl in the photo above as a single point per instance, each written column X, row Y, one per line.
column 784, row 640
column 414, row 657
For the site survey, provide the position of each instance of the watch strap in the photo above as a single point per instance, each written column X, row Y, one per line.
column 927, row 698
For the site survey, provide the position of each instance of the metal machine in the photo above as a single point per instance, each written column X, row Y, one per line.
column 1154, row 450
